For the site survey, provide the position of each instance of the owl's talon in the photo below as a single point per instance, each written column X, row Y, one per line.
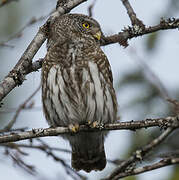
column 95, row 124
column 74, row 127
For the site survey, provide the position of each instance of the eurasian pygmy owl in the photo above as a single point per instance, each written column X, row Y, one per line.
column 77, row 87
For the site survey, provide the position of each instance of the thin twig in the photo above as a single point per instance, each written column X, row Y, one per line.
column 90, row 8
column 22, row 129
column 49, row 151
column 131, row 32
column 21, row 163
column 27, row 108
column 19, row 33
column 132, row 15
column 12, row 122
column 68, row 169
column 30, row 146
column 140, row 170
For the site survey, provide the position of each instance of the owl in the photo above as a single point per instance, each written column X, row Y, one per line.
column 77, row 87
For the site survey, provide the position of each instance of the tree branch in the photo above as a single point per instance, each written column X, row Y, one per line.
column 25, row 65
column 140, row 170
column 130, row 125
column 140, row 154
column 22, row 106
column 17, row 75
column 19, row 33
column 132, row 15
column 131, row 32
column 31, row 146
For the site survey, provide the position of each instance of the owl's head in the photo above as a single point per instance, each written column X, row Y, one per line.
column 87, row 26
column 75, row 26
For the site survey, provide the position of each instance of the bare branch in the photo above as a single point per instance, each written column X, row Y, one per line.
column 90, row 8
column 19, row 33
column 35, row 66
column 22, row 106
column 22, row 129
column 43, row 147
column 140, row 170
column 71, row 172
column 132, row 15
column 27, row 108
column 21, row 163
column 131, row 32
column 175, row 103
column 17, row 75
column 131, row 125
column 25, row 66
column 140, row 154
column 30, row 146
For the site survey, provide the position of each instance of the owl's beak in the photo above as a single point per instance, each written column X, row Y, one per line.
column 98, row 35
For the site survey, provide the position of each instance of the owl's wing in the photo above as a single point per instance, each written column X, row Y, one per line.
column 103, row 64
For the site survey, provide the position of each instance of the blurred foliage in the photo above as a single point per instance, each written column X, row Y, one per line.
column 175, row 174
column 131, row 178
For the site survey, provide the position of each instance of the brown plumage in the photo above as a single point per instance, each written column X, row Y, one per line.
column 77, row 87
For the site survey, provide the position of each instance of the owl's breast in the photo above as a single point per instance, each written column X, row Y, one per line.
column 75, row 50
column 79, row 94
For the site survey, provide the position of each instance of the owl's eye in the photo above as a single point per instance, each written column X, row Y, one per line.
column 86, row 25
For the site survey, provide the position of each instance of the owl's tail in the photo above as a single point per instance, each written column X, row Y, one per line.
column 88, row 151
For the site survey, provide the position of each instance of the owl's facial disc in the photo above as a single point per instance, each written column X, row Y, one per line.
column 91, row 27
column 93, row 30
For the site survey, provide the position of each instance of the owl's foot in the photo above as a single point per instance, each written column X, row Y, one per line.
column 89, row 123
column 94, row 124
column 74, row 127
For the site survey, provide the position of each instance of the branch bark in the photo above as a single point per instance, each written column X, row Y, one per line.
column 131, row 32
column 25, row 65
column 140, row 170
column 21, row 69
column 140, row 154
column 21, row 106
column 130, row 125
column 132, row 15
